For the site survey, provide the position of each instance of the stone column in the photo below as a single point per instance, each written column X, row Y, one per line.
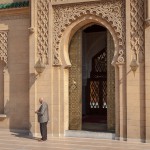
column 117, row 104
column 32, row 79
column 123, row 103
column 6, row 89
column 147, row 82
column 142, row 99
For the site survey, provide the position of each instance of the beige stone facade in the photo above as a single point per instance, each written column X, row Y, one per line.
column 43, row 32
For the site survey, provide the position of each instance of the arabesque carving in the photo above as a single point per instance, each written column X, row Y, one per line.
column 3, row 46
column 42, row 29
column 113, row 11
column 137, row 29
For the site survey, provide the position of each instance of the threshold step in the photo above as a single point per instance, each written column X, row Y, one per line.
column 89, row 134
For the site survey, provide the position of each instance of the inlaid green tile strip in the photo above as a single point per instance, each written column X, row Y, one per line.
column 14, row 5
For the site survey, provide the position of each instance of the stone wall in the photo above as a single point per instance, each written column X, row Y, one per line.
column 16, row 103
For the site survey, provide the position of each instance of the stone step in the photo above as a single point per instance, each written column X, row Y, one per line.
column 100, row 127
column 89, row 134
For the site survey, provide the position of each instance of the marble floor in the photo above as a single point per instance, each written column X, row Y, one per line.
column 13, row 141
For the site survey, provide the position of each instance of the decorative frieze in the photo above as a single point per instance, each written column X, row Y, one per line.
column 42, row 30
column 113, row 11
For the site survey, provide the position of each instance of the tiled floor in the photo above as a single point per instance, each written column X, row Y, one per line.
column 11, row 141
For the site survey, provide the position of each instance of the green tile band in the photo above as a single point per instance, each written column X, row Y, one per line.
column 14, row 5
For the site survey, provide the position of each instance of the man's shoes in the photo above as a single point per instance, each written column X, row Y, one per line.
column 41, row 140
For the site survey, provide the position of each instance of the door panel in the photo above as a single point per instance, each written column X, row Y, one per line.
column 75, row 82
column 97, row 85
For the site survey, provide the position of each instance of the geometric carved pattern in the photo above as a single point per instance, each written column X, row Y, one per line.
column 42, row 29
column 3, row 46
column 98, row 80
column 113, row 11
column 94, row 94
column 137, row 28
column 104, row 92
column 99, row 65
column 100, row 62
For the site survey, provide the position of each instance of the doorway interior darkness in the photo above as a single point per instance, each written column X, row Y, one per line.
column 91, row 80
column 94, row 78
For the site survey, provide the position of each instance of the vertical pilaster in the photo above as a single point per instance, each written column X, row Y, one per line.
column 32, row 79
column 142, row 101
column 55, row 120
column 117, row 104
column 6, row 89
column 39, row 45
column 147, row 82
column 123, row 103
column 135, row 79
column 147, row 72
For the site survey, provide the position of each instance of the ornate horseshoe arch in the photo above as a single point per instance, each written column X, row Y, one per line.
column 68, row 18
column 110, row 12
column 74, row 27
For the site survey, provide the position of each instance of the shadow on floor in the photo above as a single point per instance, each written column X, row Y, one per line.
column 24, row 135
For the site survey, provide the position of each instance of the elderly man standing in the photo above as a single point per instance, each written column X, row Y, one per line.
column 43, row 118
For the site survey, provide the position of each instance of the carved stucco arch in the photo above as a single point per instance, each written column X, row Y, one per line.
column 111, row 11
column 75, row 26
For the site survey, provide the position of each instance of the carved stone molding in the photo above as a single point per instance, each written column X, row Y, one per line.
column 113, row 11
column 57, row 2
column 15, row 12
column 14, row 17
column 3, row 46
column 42, row 29
column 137, row 29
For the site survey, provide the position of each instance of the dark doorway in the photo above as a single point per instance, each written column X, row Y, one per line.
column 94, row 78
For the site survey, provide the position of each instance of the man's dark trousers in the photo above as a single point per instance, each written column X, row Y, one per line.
column 43, row 130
